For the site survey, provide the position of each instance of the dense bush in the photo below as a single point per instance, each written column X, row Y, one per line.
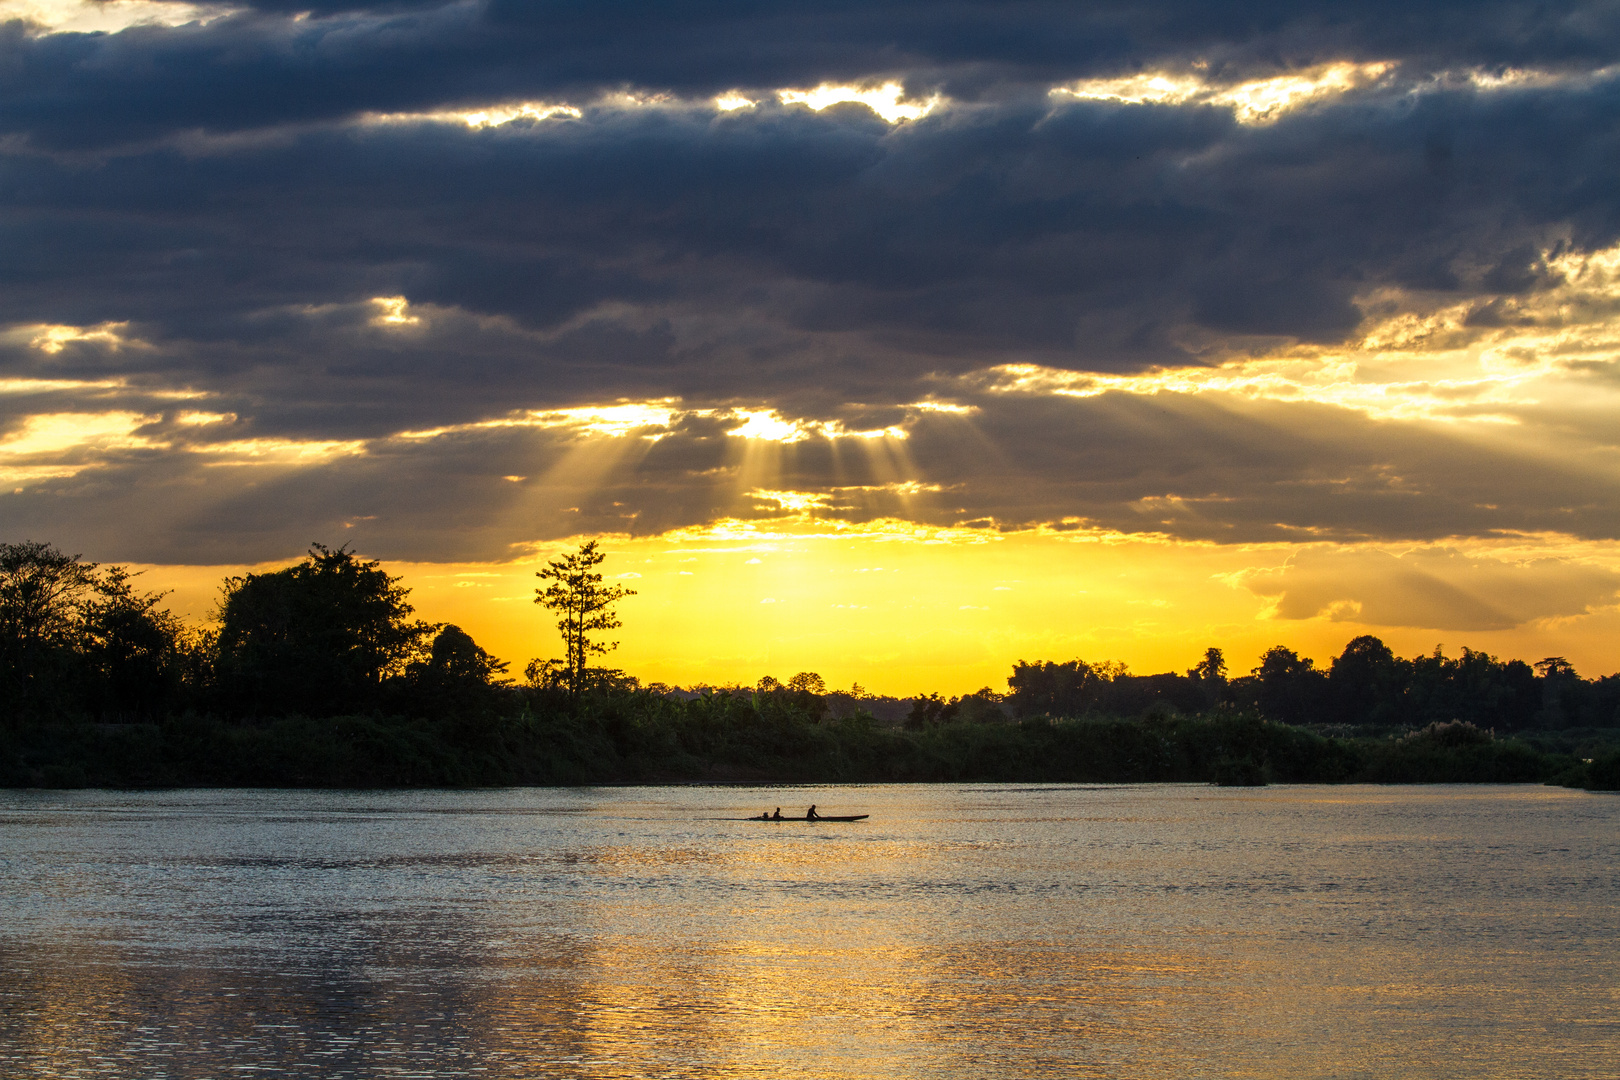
column 1599, row 773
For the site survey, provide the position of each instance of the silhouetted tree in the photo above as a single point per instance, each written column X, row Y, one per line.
column 1212, row 668
column 928, row 710
column 1067, row 689
column 546, row 674
column 806, row 692
column 1603, row 702
column 317, row 638
column 1560, row 692
column 457, row 676
column 76, row 639
column 585, row 605
column 983, row 706
column 457, row 658
column 1210, row 675
column 1367, row 684
column 808, row 682
column 1077, row 688
column 803, row 695
column 1510, row 697
column 135, row 653
column 1475, row 688
column 42, row 596
column 1288, row 687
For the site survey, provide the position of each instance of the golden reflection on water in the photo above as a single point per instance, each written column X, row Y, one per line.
column 67, row 1013
column 967, row 932
column 826, row 1004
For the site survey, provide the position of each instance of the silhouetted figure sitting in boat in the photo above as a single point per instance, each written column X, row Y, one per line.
column 810, row 815
column 778, row 815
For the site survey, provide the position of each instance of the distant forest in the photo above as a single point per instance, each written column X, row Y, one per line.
column 318, row 674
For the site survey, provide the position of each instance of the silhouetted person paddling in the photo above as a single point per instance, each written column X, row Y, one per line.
column 778, row 815
column 810, row 814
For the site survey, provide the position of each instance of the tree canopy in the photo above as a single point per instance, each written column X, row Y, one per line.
column 42, row 593
column 77, row 638
column 316, row 638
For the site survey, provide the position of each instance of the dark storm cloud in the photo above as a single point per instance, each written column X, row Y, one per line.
column 810, row 254
column 266, row 65
column 211, row 189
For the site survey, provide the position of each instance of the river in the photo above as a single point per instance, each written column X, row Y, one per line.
column 960, row 931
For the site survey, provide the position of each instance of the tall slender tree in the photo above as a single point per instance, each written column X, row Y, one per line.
column 584, row 606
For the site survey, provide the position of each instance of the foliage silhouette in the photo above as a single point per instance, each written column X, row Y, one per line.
column 808, row 682
column 318, row 675
column 318, row 638
column 42, row 596
column 553, row 737
column 1211, row 669
column 585, row 606
column 930, row 710
column 1288, row 687
column 457, row 678
column 137, row 655
column 75, row 638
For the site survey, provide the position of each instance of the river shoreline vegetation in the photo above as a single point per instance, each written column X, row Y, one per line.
column 319, row 676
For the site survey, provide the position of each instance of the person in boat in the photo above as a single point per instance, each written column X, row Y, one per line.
column 810, row 814
column 778, row 815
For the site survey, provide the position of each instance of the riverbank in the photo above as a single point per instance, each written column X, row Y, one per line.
column 644, row 738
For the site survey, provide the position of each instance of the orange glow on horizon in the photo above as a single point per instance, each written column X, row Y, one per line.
column 945, row 612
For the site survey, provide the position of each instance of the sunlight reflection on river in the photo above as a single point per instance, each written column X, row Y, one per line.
column 961, row 931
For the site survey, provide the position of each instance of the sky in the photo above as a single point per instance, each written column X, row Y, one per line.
column 895, row 341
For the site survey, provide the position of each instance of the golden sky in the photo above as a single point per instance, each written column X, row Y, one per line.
column 949, row 615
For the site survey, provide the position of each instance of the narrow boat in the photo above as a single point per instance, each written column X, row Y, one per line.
column 818, row 817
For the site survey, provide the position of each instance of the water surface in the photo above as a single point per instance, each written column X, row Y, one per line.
column 962, row 931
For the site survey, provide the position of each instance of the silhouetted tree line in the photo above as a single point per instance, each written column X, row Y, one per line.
column 330, row 635
column 1366, row 685
column 319, row 674
column 77, row 639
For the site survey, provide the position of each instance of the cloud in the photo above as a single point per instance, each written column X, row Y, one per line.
column 1089, row 235
column 1436, row 588
column 190, row 483
column 1256, row 276
column 232, row 71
